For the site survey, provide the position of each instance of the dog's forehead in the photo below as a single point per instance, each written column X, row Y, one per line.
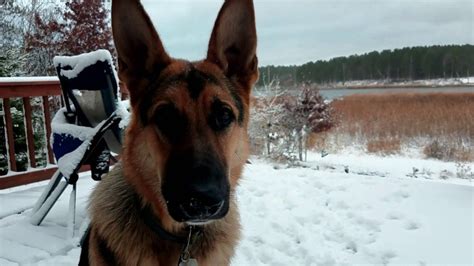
column 185, row 82
column 196, row 77
column 189, row 76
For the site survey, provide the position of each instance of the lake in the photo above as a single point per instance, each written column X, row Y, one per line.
column 337, row 93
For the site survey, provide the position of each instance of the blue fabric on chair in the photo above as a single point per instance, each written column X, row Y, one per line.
column 64, row 144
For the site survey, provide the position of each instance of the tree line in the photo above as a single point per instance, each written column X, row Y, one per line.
column 410, row 63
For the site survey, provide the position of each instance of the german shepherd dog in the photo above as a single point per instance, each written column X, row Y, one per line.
column 171, row 199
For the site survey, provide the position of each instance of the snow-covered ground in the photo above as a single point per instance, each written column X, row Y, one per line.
column 377, row 213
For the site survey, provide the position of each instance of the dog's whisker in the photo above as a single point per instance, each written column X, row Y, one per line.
column 238, row 156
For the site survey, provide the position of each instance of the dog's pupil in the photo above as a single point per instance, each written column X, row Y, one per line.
column 221, row 117
column 225, row 118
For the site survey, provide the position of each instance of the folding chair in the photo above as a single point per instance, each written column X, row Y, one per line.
column 85, row 131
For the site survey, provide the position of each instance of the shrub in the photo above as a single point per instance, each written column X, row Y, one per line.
column 384, row 146
column 446, row 151
column 280, row 124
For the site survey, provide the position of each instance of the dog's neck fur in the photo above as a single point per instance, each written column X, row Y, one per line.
column 116, row 209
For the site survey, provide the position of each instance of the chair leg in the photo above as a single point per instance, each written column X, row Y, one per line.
column 71, row 221
column 81, row 233
column 53, row 182
column 39, row 215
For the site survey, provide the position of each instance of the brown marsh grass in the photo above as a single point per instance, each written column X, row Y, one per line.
column 439, row 123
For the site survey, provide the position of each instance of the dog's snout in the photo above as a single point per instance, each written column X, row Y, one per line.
column 205, row 200
column 196, row 188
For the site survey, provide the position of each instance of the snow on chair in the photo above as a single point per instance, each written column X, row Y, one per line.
column 85, row 131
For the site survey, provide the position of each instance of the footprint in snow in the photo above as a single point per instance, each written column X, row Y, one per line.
column 411, row 225
column 371, row 225
column 351, row 246
column 319, row 185
column 394, row 215
column 387, row 256
column 401, row 195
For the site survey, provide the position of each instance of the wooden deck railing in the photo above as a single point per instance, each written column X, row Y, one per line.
column 26, row 88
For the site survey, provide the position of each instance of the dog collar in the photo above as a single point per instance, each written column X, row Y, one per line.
column 151, row 221
column 192, row 232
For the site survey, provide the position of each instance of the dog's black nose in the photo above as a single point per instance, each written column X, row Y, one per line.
column 196, row 188
column 200, row 209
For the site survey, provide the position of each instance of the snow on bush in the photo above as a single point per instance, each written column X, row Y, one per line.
column 280, row 122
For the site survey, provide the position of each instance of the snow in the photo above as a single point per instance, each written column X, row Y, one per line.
column 59, row 125
column 30, row 169
column 330, row 218
column 80, row 62
column 468, row 80
column 29, row 79
column 394, row 166
column 123, row 112
column 375, row 214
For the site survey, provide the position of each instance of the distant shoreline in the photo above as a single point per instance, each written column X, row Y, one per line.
column 395, row 86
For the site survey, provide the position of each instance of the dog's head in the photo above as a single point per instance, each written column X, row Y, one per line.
column 187, row 142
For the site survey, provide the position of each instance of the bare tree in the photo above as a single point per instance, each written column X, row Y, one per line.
column 307, row 113
column 266, row 115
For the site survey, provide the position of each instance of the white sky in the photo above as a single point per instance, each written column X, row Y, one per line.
column 298, row 31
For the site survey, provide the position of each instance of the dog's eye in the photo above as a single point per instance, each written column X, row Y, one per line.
column 221, row 118
column 170, row 122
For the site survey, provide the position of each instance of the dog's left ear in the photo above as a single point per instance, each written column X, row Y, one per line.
column 233, row 42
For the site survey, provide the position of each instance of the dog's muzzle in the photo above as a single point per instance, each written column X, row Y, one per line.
column 199, row 207
column 196, row 190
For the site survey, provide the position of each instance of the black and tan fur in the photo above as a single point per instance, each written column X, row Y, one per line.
column 188, row 126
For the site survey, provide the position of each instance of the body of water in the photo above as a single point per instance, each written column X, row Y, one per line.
column 338, row 93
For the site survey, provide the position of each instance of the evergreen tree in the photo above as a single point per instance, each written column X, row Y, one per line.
column 450, row 61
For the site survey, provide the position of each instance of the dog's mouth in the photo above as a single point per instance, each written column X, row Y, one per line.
column 200, row 212
column 196, row 211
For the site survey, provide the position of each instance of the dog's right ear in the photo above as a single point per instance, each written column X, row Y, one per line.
column 233, row 42
column 140, row 51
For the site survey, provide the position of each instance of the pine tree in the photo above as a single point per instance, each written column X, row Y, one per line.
column 408, row 63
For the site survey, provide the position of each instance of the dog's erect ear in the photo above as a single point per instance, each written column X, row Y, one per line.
column 233, row 42
column 139, row 48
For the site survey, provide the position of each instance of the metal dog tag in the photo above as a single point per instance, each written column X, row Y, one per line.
column 189, row 262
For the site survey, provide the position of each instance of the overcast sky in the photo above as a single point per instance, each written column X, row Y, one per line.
column 298, row 31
